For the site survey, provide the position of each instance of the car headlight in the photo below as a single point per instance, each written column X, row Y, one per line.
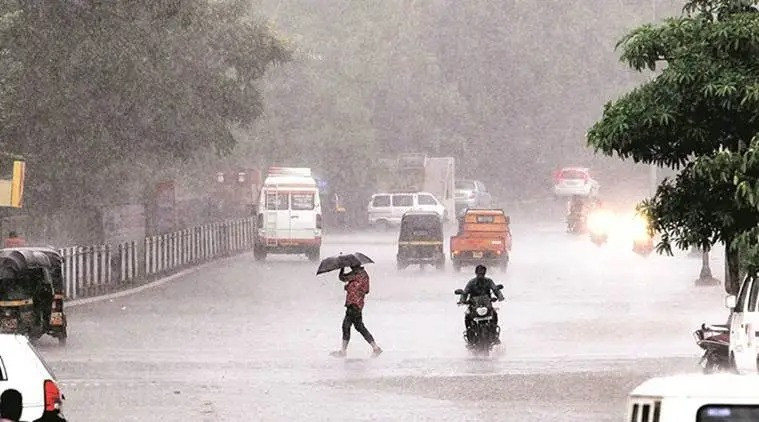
column 482, row 311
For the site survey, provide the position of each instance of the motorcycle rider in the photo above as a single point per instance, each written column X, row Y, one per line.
column 575, row 208
column 480, row 286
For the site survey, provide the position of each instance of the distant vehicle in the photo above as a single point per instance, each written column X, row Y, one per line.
column 599, row 224
column 484, row 237
column 471, row 194
column 419, row 173
column 22, row 368
column 643, row 242
column 420, row 240
column 290, row 214
column 575, row 181
column 695, row 397
column 387, row 209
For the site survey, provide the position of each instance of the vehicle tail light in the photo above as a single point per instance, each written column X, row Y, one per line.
column 53, row 398
column 318, row 221
column 557, row 176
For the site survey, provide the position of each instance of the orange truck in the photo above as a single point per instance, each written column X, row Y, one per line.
column 484, row 237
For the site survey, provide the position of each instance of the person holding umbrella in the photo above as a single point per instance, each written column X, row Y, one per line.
column 356, row 288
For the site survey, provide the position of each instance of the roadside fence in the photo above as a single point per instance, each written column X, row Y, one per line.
column 100, row 269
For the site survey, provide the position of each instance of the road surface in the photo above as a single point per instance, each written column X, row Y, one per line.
column 240, row 340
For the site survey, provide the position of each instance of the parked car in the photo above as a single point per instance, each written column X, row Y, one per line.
column 386, row 209
column 22, row 368
column 695, row 397
column 744, row 326
column 571, row 181
column 471, row 194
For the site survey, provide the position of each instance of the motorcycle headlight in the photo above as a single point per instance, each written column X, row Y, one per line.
column 482, row 311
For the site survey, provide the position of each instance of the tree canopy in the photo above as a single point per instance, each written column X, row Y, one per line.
column 89, row 87
column 704, row 100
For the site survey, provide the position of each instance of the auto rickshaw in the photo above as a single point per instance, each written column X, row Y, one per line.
column 31, row 293
column 58, row 324
column 421, row 240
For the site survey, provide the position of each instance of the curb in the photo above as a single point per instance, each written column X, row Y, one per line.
column 150, row 285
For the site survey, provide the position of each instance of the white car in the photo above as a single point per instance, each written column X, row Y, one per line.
column 22, row 368
column 571, row 181
column 695, row 397
column 387, row 209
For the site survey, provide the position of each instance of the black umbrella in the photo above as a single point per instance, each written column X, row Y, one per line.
column 341, row 261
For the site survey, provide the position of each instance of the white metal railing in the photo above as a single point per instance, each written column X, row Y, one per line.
column 94, row 270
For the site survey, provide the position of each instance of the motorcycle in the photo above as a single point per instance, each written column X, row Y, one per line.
column 643, row 247
column 643, row 241
column 483, row 333
column 599, row 238
column 599, row 224
column 576, row 223
column 715, row 341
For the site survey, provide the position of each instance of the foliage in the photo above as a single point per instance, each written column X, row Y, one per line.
column 92, row 86
column 704, row 101
column 739, row 175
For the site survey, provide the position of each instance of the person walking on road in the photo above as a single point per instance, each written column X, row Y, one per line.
column 10, row 406
column 356, row 288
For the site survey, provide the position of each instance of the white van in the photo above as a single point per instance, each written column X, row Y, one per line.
column 696, row 398
column 387, row 209
column 289, row 215
column 744, row 326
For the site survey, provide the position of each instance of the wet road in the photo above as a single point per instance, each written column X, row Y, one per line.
column 240, row 340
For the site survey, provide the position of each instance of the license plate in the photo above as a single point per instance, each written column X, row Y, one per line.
column 8, row 324
column 487, row 318
column 476, row 254
column 56, row 319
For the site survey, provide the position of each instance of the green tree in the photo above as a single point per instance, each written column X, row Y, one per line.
column 704, row 100
column 91, row 88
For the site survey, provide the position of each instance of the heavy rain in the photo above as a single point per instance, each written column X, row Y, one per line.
column 269, row 210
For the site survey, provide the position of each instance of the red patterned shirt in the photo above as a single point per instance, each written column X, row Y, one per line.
column 356, row 288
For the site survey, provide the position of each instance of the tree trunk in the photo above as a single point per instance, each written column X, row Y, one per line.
column 732, row 269
column 706, row 272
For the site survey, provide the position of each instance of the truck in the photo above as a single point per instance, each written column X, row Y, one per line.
column 415, row 172
column 484, row 237
column 289, row 219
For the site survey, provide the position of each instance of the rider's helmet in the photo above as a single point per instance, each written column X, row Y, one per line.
column 480, row 270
